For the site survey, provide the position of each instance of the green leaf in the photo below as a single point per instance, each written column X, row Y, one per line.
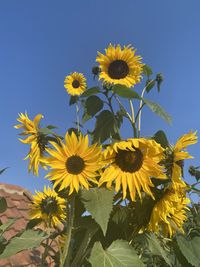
column 32, row 223
column 3, row 170
column 119, row 254
column 125, row 92
column 51, row 127
column 3, row 205
column 91, row 91
column 87, row 229
column 7, row 225
column 73, row 100
column 156, row 248
column 27, row 240
column 147, row 70
column 158, row 110
column 120, row 215
column 161, row 138
column 105, row 126
column 149, row 85
column 98, row 202
column 190, row 249
column 45, row 131
column 93, row 104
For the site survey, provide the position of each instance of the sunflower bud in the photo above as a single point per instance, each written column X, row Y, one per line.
column 159, row 80
column 95, row 71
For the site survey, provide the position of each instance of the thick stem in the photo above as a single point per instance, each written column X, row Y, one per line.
column 129, row 117
column 132, row 111
column 65, row 255
column 133, row 119
column 111, row 109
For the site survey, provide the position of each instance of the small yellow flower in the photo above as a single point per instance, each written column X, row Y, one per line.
column 169, row 212
column 74, row 163
column 48, row 207
column 131, row 164
column 75, row 83
column 36, row 140
column 120, row 66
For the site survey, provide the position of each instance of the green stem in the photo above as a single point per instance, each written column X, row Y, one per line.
column 77, row 117
column 133, row 119
column 141, row 106
column 132, row 111
column 140, row 111
column 129, row 117
column 111, row 109
column 45, row 254
column 65, row 255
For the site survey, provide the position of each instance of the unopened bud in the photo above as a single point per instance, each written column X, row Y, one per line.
column 96, row 70
column 159, row 80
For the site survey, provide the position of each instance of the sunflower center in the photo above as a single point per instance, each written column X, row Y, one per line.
column 76, row 84
column 49, row 205
column 129, row 161
column 118, row 69
column 75, row 164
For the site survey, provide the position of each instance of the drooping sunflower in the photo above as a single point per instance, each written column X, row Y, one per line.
column 75, row 83
column 178, row 154
column 48, row 207
column 36, row 140
column 169, row 212
column 74, row 163
column 131, row 164
column 120, row 65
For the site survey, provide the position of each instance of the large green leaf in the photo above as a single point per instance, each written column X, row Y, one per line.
column 119, row 254
column 93, row 104
column 7, row 225
column 3, row 204
column 27, row 240
column 158, row 110
column 161, row 138
column 91, row 91
column 190, row 249
column 156, row 248
column 105, row 126
column 98, row 202
column 125, row 92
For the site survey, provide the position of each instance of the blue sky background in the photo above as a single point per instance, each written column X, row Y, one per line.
column 42, row 41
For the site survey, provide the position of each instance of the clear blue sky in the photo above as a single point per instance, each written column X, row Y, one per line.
column 44, row 40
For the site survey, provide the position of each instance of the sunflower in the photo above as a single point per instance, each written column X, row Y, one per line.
column 120, row 66
column 48, row 207
column 131, row 163
column 177, row 155
column 75, row 83
column 36, row 140
column 74, row 163
column 169, row 212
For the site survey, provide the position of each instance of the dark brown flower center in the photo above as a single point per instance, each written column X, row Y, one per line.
column 75, row 164
column 129, row 161
column 118, row 69
column 76, row 84
column 49, row 205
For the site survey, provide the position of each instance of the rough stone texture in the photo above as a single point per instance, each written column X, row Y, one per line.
column 18, row 200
